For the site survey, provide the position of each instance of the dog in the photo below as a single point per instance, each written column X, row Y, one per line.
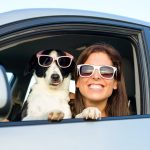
column 49, row 96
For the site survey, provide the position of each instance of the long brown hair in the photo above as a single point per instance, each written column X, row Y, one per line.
column 117, row 104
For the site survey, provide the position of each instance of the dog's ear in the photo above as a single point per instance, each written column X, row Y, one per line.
column 31, row 65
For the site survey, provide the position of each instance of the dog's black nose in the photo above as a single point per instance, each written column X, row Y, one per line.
column 55, row 77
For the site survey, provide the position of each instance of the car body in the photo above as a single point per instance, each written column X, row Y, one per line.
column 24, row 32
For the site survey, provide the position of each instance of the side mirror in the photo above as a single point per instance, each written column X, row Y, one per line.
column 5, row 95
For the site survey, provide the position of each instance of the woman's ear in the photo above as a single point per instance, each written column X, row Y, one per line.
column 78, row 83
column 115, row 86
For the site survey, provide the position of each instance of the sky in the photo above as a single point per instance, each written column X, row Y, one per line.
column 137, row 9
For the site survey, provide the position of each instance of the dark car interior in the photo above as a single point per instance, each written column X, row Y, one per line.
column 16, row 57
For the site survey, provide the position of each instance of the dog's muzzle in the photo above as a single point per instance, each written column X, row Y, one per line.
column 55, row 79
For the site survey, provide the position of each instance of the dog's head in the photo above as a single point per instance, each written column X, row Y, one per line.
column 52, row 65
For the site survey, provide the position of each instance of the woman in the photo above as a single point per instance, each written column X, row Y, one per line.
column 100, row 86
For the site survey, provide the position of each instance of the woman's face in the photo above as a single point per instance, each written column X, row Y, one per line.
column 95, row 88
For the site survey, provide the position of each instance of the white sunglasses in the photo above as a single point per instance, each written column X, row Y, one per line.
column 62, row 61
column 106, row 72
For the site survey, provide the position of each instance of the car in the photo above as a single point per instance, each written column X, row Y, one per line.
column 24, row 32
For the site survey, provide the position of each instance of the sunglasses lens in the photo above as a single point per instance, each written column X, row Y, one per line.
column 64, row 62
column 107, row 72
column 86, row 70
column 45, row 60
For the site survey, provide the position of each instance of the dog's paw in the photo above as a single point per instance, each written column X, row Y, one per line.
column 55, row 116
column 90, row 113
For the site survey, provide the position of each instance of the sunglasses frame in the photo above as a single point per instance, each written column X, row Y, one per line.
column 53, row 59
column 96, row 68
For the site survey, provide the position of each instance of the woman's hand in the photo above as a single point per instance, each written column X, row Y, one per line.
column 90, row 113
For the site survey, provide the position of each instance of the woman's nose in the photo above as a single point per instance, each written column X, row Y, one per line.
column 96, row 74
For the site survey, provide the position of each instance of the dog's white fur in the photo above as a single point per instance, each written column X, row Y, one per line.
column 45, row 98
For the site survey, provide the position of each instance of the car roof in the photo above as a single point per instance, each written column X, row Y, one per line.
column 12, row 16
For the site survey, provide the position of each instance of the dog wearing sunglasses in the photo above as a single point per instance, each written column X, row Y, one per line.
column 49, row 96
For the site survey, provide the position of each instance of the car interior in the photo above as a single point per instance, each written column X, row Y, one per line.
column 15, row 59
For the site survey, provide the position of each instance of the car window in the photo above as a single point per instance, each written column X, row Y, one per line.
column 77, row 42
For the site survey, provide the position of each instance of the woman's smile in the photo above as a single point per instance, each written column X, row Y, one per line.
column 94, row 86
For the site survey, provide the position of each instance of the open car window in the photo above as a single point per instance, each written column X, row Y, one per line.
column 125, row 46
